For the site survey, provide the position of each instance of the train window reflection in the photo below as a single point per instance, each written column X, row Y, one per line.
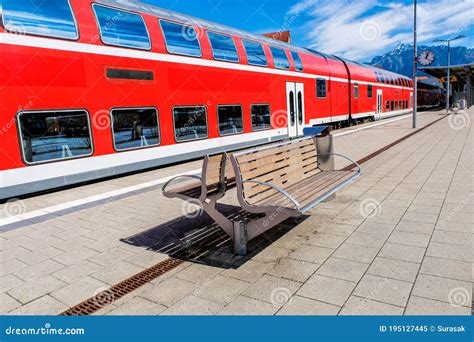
column 297, row 60
column 320, row 87
column 181, row 39
column 280, row 58
column 190, row 123
column 52, row 18
column 356, row 90
column 135, row 128
column 120, row 28
column 47, row 136
column 261, row 117
column 223, row 47
column 230, row 120
column 255, row 53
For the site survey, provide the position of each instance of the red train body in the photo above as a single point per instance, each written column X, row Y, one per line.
column 77, row 108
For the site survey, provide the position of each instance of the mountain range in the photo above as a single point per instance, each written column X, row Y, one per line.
column 400, row 59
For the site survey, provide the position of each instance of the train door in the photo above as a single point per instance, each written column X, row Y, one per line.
column 411, row 101
column 379, row 104
column 295, row 108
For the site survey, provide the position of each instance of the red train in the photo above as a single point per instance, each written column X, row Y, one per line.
column 98, row 88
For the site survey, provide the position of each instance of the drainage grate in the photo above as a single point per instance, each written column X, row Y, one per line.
column 123, row 288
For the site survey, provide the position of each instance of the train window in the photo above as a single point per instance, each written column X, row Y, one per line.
column 135, row 128
column 223, row 47
column 190, row 123
column 387, row 106
column 297, row 60
column 121, row 28
column 320, row 87
column 52, row 18
column 181, row 39
column 369, row 90
column 377, row 78
column 280, row 58
column 230, row 120
column 54, row 135
column 356, row 90
column 261, row 117
column 255, row 53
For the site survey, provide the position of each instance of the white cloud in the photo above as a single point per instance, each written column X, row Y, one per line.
column 361, row 29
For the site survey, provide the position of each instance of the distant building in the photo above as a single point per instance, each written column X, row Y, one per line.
column 284, row 36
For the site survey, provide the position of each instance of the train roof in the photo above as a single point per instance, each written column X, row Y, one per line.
column 184, row 18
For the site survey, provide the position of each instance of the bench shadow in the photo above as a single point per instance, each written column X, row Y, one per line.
column 199, row 239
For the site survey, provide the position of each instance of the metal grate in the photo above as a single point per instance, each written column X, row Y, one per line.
column 121, row 289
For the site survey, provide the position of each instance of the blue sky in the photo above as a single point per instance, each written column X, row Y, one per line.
column 353, row 29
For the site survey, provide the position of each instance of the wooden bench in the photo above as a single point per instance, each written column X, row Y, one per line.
column 273, row 182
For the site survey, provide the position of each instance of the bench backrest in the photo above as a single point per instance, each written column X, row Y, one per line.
column 282, row 164
column 217, row 174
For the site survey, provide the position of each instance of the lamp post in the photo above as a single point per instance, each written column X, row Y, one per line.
column 448, row 80
column 415, row 86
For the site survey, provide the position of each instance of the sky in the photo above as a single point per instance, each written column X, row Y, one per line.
column 357, row 30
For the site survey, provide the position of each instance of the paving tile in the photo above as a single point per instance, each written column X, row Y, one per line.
column 291, row 269
column 384, row 290
column 221, row 290
column 448, row 251
column 300, row 306
column 271, row 254
column 245, row 306
column 10, row 281
column 402, row 252
column 427, row 307
column 376, row 228
column 443, row 290
column 290, row 242
column 114, row 274
column 409, row 239
column 11, row 266
column 7, row 303
column 32, row 290
column 45, row 305
column 313, row 254
column 75, row 255
column 455, row 238
column 455, row 227
column 199, row 274
column 137, row 306
column 111, row 257
column 80, row 270
column 343, row 269
column 453, row 269
column 39, row 271
column 193, row 306
column 169, row 291
column 395, row 269
column 415, row 227
column 250, row 271
column 367, row 307
column 42, row 255
column 424, row 209
column 356, row 253
column 272, row 290
column 325, row 240
column 366, row 239
column 79, row 291
column 327, row 290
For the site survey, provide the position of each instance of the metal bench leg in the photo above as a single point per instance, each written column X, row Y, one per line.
column 240, row 238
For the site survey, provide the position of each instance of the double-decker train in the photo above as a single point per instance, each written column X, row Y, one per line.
column 90, row 89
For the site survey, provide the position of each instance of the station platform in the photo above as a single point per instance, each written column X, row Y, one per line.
column 398, row 241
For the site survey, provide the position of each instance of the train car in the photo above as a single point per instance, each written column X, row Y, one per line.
column 91, row 89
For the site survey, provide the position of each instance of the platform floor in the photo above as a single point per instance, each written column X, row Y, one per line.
column 397, row 241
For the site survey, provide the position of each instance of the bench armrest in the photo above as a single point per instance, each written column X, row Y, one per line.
column 345, row 157
column 277, row 188
column 178, row 177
